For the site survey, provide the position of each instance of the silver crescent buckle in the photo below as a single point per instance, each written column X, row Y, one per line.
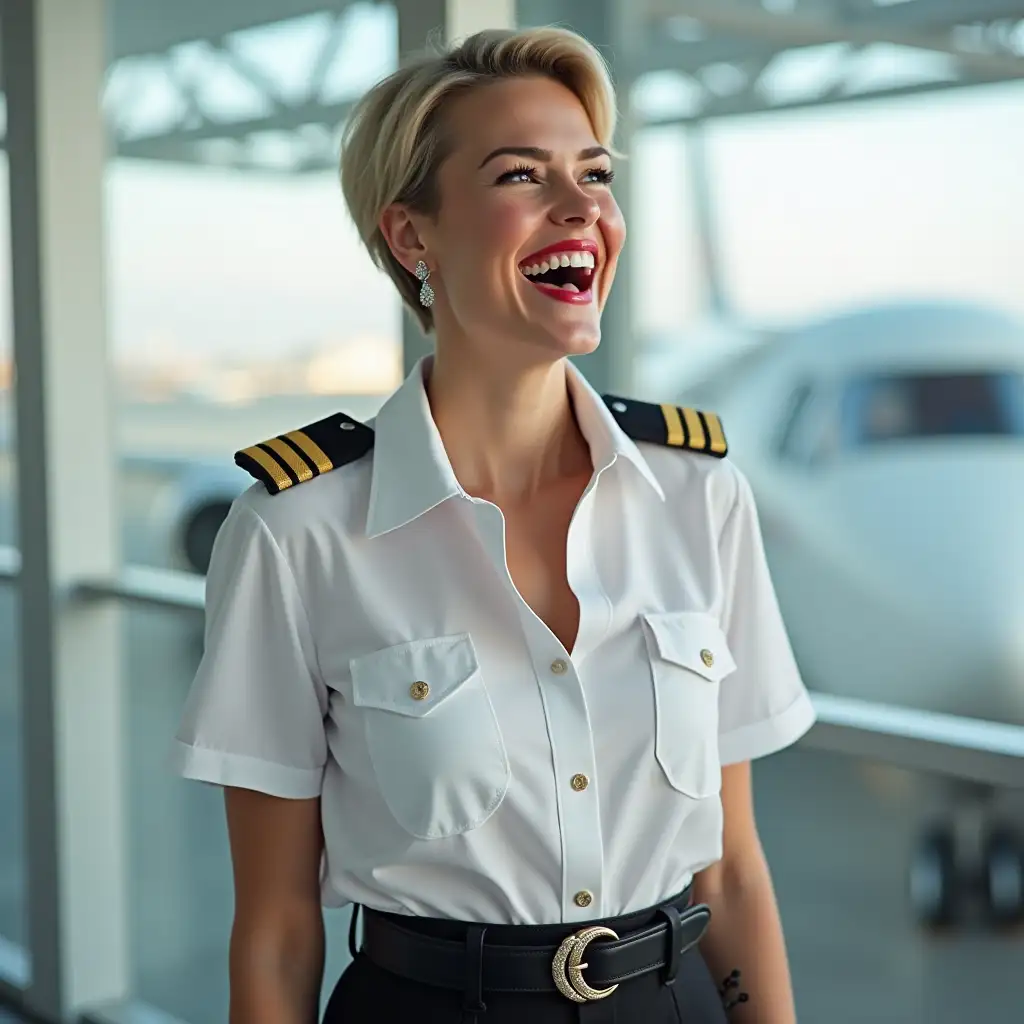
column 567, row 966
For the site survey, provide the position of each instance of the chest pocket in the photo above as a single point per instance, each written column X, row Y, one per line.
column 434, row 740
column 689, row 657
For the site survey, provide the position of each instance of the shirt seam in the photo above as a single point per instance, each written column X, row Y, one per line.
column 729, row 586
column 298, row 592
column 233, row 755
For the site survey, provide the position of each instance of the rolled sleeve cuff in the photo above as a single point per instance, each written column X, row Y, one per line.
column 769, row 736
column 222, row 769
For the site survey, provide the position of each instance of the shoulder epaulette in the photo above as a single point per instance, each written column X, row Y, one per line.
column 672, row 425
column 298, row 456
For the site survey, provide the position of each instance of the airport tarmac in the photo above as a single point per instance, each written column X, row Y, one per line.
column 837, row 834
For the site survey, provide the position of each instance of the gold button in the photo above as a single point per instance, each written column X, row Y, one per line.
column 707, row 657
column 559, row 667
column 419, row 691
column 580, row 782
column 583, row 898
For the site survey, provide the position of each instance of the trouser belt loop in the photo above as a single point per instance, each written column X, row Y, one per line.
column 473, row 1004
column 352, row 948
column 675, row 941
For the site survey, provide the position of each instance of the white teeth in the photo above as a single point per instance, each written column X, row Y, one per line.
column 569, row 287
column 565, row 259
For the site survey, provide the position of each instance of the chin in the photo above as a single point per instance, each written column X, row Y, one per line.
column 578, row 340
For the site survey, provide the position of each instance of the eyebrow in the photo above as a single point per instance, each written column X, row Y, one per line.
column 541, row 155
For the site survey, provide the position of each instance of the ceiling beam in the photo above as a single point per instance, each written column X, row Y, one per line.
column 142, row 27
column 729, row 106
column 757, row 29
column 284, row 119
column 935, row 14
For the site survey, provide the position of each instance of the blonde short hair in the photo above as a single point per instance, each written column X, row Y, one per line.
column 393, row 143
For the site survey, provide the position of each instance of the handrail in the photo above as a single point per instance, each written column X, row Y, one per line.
column 972, row 749
column 138, row 584
column 989, row 753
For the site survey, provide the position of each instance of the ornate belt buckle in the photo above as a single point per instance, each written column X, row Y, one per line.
column 567, row 966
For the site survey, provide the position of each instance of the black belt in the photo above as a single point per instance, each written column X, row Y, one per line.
column 478, row 967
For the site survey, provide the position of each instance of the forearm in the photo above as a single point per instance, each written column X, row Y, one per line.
column 745, row 934
column 277, row 980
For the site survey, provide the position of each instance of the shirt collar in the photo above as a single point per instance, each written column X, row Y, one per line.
column 412, row 474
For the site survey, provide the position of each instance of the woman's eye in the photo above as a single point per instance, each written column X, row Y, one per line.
column 601, row 175
column 518, row 174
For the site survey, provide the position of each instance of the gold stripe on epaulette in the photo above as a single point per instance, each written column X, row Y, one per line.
column 673, row 426
column 695, row 428
column 311, row 449
column 271, row 465
column 291, row 458
column 718, row 443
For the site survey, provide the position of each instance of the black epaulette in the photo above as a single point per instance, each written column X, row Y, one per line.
column 672, row 425
column 300, row 455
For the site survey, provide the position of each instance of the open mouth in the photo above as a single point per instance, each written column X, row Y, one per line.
column 563, row 273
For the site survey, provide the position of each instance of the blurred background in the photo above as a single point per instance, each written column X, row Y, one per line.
column 826, row 211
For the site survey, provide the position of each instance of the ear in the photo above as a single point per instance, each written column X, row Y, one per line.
column 401, row 231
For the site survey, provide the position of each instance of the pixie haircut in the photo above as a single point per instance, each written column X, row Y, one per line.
column 393, row 143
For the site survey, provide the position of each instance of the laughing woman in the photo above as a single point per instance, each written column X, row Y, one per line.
column 493, row 667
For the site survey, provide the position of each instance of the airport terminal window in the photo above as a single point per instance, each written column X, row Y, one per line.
column 893, row 407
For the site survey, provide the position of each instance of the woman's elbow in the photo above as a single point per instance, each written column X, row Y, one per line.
column 276, row 968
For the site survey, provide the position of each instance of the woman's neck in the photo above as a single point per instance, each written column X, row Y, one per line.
column 508, row 432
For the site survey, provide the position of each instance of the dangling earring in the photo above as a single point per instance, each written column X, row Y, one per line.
column 426, row 292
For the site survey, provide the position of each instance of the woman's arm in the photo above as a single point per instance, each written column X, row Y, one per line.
column 277, row 938
column 745, row 931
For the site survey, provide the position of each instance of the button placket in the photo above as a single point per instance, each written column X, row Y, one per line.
column 581, row 842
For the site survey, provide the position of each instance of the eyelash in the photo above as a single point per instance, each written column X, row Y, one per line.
column 603, row 175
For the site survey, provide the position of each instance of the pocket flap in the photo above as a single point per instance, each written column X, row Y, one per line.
column 693, row 640
column 415, row 677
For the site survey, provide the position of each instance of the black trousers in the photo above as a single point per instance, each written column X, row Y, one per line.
column 367, row 994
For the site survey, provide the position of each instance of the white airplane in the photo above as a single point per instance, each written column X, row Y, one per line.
column 886, row 451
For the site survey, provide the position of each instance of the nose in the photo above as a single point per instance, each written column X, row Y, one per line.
column 575, row 208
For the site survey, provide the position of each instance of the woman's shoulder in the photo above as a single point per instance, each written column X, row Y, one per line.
column 686, row 448
column 302, row 475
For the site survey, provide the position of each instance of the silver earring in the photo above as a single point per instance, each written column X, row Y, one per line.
column 426, row 292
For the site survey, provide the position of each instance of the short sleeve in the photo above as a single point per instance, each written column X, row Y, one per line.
column 254, row 717
column 763, row 704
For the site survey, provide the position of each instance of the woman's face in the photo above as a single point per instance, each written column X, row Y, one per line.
column 528, row 234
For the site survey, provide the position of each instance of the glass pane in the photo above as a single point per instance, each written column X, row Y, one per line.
column 12, row 822
column 181, row 889
column 841, row 836
column 243, row 305
column 12, row 835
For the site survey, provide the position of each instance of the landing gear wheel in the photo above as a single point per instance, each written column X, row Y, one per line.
column 933, row 879
column 1003, row 877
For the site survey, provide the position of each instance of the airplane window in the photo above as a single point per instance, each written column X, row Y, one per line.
column 891, row 407
column 789, row 433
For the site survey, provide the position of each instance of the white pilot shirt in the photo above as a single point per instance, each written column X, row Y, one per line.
column 365, row 644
